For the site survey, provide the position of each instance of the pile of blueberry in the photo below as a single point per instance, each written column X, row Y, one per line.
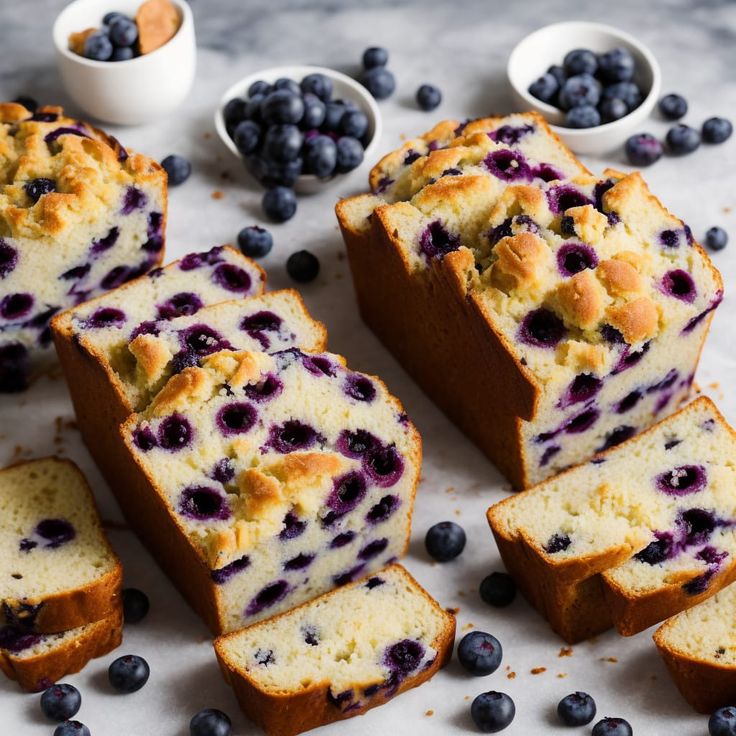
column 117, row 40
column 643, row 149
column 591, row 88
column 291, row 128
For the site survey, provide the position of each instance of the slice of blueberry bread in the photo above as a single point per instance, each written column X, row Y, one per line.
column 699, row 649
column 637, row 534
column 585, row 302
column 57, row 569
column 80, row 215
column 280, row 477
column 37, row 661
column 339, row 655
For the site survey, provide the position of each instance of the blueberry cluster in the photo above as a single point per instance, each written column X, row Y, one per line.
column 291, row 128
column 117, row 40
column 591, row 88
column 375, row 77
column 643, row 149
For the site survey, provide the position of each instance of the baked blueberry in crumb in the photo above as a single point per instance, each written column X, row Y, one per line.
column 175, row 433
column 542, row 328
column 383, row 509
column 236, row 418
column 682, row 480
column 557, row 543
column 348, row 491
column 203, row 503
column 292, row 436
column 223, row 574
column 436, row 241
column 267, row 597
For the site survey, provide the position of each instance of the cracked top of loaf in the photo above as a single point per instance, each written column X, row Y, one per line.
column 79, row 170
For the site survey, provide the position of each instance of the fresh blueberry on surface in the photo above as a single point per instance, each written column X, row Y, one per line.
column 282, row 106
column 492, row 711
column 723, row 722
column 576, row 709
column 177, row 168
column 98, row 47
column 314, row 112
column 109, row 18
column 279, row 203
column 716, row 238
column 558, row 73
column 545, row 88
column 616, row 65
column 682, row 139
column 28, row 102
column 317, row 84
column 122, row 53
column 349, row 154
column 612, row 727
column 626, row 91
column 612, row 109
column 60, row 702
column 135, row 605
column 129, row 673
column 643, row 149
column 673, row 107
column 353, row 123
column 71, row 728
column 429, row 97
column 320, row 156
column 580, row 61
column 479, row 653
column 584, row 116
column 717, row 130
column 210, row 722
column 374, row 56
column 288, row 84
column 498, row 589
column 246, row 136
column 583, row 89
column 234, row 111
column 255, row 241
column 379, row 81
column 282, row 143
column 302, row 266
column 259, row 87
column 445, row 541
column 123, row 32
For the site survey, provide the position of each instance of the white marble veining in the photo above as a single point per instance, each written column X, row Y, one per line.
column 461, row 47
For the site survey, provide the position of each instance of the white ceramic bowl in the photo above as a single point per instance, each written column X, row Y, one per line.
column 125, row 92
column 343, row 88
column 534, row 54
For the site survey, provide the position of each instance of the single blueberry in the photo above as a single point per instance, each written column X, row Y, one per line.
column 557, row 543
column 302, row 266
column 36, row 188
column 717, row 130
column 626, row 91
column 128, row 673
column 123, row 32
column 673, row 107
column 210, row 722
column 267, row 597
column 60, row 702
column 259, row 87
column 177, row 169
column 576, row 709
column 334, row 111
column 583, row 116
column 723, row 722
column 292, row 435
column 616, row 65
column 272, row 174
column 492, row 711
column 314, row 112
column 379, row 81
column 279, row 203
column 122, row 53
column 682, row 139
column 374, row 56
column 349, row 154
column 580, row 61
column 445, row 541
column 497, row 589
column 353, row 123
column 135, row 605
column 255, row 241
column 558, row 73
column 282, row 106
column 252, row 109
column 247, row 136
column 643, row 149
column 98, row 47
column 612, row 727
column 428, row 97
column 318, row 85
column 15, row 306
column 175, row 432
column 716, row 238
column 71, row 728
column 282, row 143
column 236, row 418
column 583, row 89
column 234, row 112
column 288, row 84
column 545, row 88
column 320, row 156
column 542, row 328
column 612, row 109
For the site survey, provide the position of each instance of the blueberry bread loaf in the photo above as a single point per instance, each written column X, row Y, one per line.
column 699, row 649
column 37, row 661
column 272, row 479
column 637, row 534
column 574, row 307
column 57, row 567
column 80, row 215
column 339, row 655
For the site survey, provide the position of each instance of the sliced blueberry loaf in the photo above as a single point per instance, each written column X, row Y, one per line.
column 272, row 479
column 339, row 655
column 37, row 661
column 79, row 215
column 699, row 649
column 637, row 534
column 57, row 567
column 585, row 302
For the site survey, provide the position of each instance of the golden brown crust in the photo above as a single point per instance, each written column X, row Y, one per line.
column 78, row 38
column 157, row 21
column 40, row 671
column 519, row 263
column 619, row 277
column 288, row 714
column 636, row 320
column 580, row 300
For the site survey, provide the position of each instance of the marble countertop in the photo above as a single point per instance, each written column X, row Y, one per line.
column 461, row 47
